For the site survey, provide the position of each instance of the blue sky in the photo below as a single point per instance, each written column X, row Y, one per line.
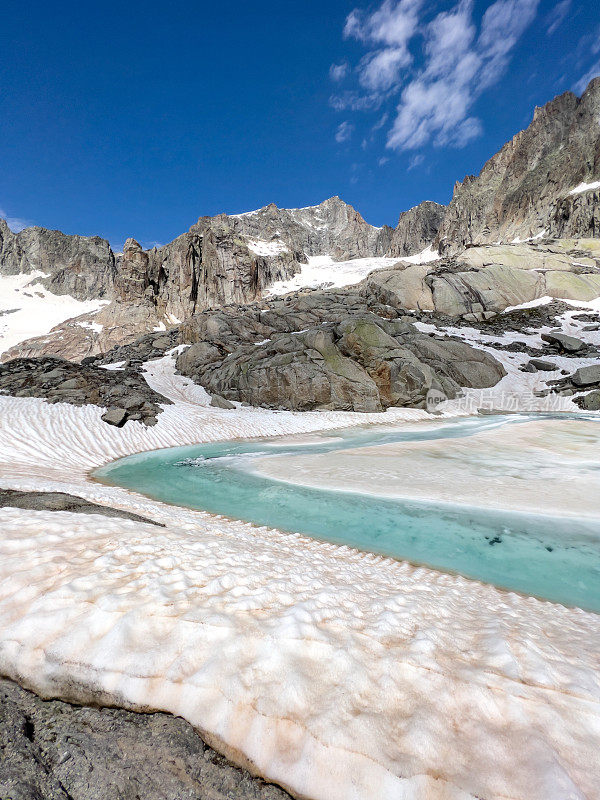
column 134, row 119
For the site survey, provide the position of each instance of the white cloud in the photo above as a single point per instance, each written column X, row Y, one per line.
column 416, row 161
column 459, row 63
column 379, row 71
column 393, row 24
column 15, row 223
column 355, row 170
column 380, row 123
column 582, row 83
column 556, row 17
column 588, row 43
column 337, row 72
column 353, row 101
column 502, row 26
column 390, row 29
column 344, row 132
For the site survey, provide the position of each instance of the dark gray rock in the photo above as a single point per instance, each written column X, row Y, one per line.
column 123, row 392
column 590, row 401
column 542, row 366
column 587, row 376
column 567, row 343
column 59, row 501
column 50, row 750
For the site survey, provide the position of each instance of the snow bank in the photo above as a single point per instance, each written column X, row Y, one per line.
column 424, row 257
column 340, row 675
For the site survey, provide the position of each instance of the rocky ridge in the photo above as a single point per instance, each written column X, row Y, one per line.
column 416, row 230
column 81, row 266
column 544, row 183
column 219, row 260
column 527, row 188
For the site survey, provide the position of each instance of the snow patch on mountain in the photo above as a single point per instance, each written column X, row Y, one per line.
column 262, row 248
column 585, row 187
column 323, row 271
column 28, row 309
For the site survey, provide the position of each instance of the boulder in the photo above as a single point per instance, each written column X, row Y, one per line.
column 115, row 416
column 542, row 366
column 590, row 401
column 587, row 376
column 567, row 343
column 219, row 402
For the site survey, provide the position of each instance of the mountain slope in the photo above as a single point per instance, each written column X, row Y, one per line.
column 525, row 190
column 219, row 261
column 416, row 230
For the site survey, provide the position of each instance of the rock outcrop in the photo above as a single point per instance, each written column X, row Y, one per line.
column 50, row 750
column 577, row 214
column 59, row 501
column 417, row 229
column 81, row 266
column 60, row 381
column 486, row 280
column 327, row 350
column 525, row 190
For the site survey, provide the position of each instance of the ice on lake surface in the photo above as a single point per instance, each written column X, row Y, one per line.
column 513, row 500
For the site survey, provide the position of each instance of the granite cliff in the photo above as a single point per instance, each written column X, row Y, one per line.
column 417, row 229
column 545, row 182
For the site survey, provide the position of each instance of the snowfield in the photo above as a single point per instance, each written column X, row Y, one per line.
column 341, row 675
column 323, row 271
column 28, row 309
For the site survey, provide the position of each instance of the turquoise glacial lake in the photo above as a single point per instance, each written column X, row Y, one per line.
column 550, row 557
